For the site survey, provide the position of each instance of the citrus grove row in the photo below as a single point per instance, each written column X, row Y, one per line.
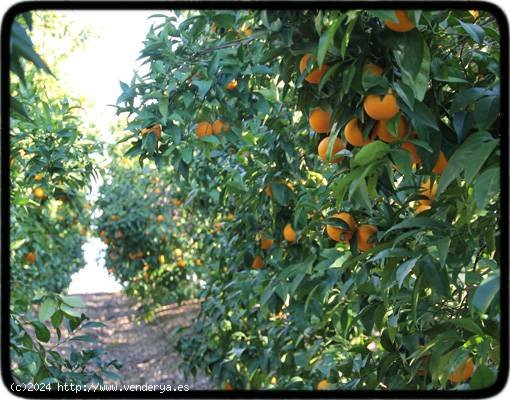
column 337, row 176
column 51, row 166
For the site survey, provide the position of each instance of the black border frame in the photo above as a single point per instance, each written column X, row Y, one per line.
column 110, row 5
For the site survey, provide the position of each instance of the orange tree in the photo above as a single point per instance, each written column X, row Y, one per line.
column 50, row 173
column 356, row 156
column 152, row 245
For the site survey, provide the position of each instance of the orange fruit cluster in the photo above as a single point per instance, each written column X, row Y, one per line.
column 344, row 235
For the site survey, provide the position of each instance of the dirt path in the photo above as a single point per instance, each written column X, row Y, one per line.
column 146, row 350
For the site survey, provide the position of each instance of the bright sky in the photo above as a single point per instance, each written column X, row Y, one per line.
column 110, row 55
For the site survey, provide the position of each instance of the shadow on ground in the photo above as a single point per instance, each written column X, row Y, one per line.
column 146, row 350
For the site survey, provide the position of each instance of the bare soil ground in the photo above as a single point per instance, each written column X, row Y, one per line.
column 146, row 350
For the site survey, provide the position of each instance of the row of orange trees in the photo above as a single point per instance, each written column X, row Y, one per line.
column 350, row 162
column 50, row 173
column 153, row 247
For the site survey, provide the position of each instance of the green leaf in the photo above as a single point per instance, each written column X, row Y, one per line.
column 485, row 186
column 370, row 153
column 485, row 292
column 392, row 252
column 405, row 93
column 41, row 331
column 47, row 308
column 210, row 139
column 326, row 40
column 85, row 338
column 203, row 87
column 73, row 301
column 70, row 311
column 466, row 97
column 347, row 36
column 384, row 15
column 163, row 107
column 329, row 73
column 469, row 157
column 413, row 57
column 187, row 154
column 435, row 275
column 476, row 32
column 404, row 269
column 417, row 222
column 18, row 107
column 482, row 378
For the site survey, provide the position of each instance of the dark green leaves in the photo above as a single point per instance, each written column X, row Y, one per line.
column 22, row 47
column 370, row 153
column 46, row 309
column 413, row 57
column 41, row 331
column 476, row 32
column 468, row 158
column 326, row 40
column 485, row 292
column 404, row 269
column 486, row 185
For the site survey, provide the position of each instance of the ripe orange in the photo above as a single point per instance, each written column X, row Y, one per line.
column 114, row 217
column 441, row 164
column 315, row 75
column 156, row 129
column 378, row 107
column 232, row 84
column 323, row 148
column 181, row 263
column 161, row 259
column 373, row 69
column 384, row 134
column 219, row 126
column 265, row 243
column 160, row 218
column 341, row 234
column 404, row 24
column 176, row 202
column 30, row 257
column 411, row 148
column 422, row 205
column 268, row 190
column 289, row 234
column 319, row 120
column 365, row 232
column 353, row 134
column 39, row 193
column 257, row 263
column 177, row 252
column 228, row 386
column 39, row 176
column 246, row 30
column 198, row 262
column 323, row 385
column 428, row 190
column 463, row 372
column 203, row 129
column 230, row 216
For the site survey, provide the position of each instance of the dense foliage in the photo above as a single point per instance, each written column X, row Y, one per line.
column 406, row 295
column 50, row 172
column 152, row 245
